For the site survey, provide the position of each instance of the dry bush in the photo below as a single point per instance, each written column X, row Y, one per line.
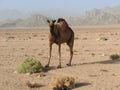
column 35, row 35
column 33, row 85
column 61, row 82
column 10, row 37
column 76, row 38
column 102, row 39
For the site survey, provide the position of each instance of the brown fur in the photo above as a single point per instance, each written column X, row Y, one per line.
column 60, row 33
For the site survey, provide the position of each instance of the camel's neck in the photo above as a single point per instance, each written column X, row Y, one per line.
column 52, row 30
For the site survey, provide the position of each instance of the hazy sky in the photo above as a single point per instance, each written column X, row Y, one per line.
column 54, row 7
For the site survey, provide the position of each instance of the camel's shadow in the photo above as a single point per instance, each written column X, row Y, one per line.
column 99, row 62
column 78, row 64
column 50, row 68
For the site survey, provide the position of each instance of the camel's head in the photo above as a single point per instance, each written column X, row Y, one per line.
column 51, row 23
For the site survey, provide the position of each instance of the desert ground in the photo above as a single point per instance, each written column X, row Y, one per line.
column 91, row 65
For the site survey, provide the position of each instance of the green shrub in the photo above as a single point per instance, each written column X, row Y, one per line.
column 30, row 65
column 114, row 56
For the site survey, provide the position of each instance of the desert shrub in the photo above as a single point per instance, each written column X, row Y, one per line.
column 29, row 65
column 34, row 35
column 114, row 56
column 33, row 84
column 11, row 37
column 62, row 82
column 103, row 39
column 76, row 38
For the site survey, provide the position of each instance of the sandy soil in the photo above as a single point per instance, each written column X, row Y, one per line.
column 91, row 66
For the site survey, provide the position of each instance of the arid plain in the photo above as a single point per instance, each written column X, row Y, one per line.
column 91, row 66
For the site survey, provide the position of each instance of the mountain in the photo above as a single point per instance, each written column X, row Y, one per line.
column 11, row 15
column 105, row 16
column 32, row 21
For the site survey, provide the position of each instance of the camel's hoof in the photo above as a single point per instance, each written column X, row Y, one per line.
column 59, row 66
column 68, row 64
column 46, row 66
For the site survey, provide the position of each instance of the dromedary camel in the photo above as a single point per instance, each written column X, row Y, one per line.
column 60, row 33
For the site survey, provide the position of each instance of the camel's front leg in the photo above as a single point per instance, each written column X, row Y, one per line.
column 59, row 50
column 50, row 53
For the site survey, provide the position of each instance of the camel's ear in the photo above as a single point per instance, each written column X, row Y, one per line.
column 48, row 21
column 54, row 21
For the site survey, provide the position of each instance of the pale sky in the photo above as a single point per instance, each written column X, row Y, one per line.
column 54, row 7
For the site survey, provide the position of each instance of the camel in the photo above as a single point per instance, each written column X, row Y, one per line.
column 60, row 32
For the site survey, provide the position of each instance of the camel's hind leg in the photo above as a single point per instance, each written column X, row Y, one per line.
column 70, row 44
column 59, row 66
column 50, row 52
